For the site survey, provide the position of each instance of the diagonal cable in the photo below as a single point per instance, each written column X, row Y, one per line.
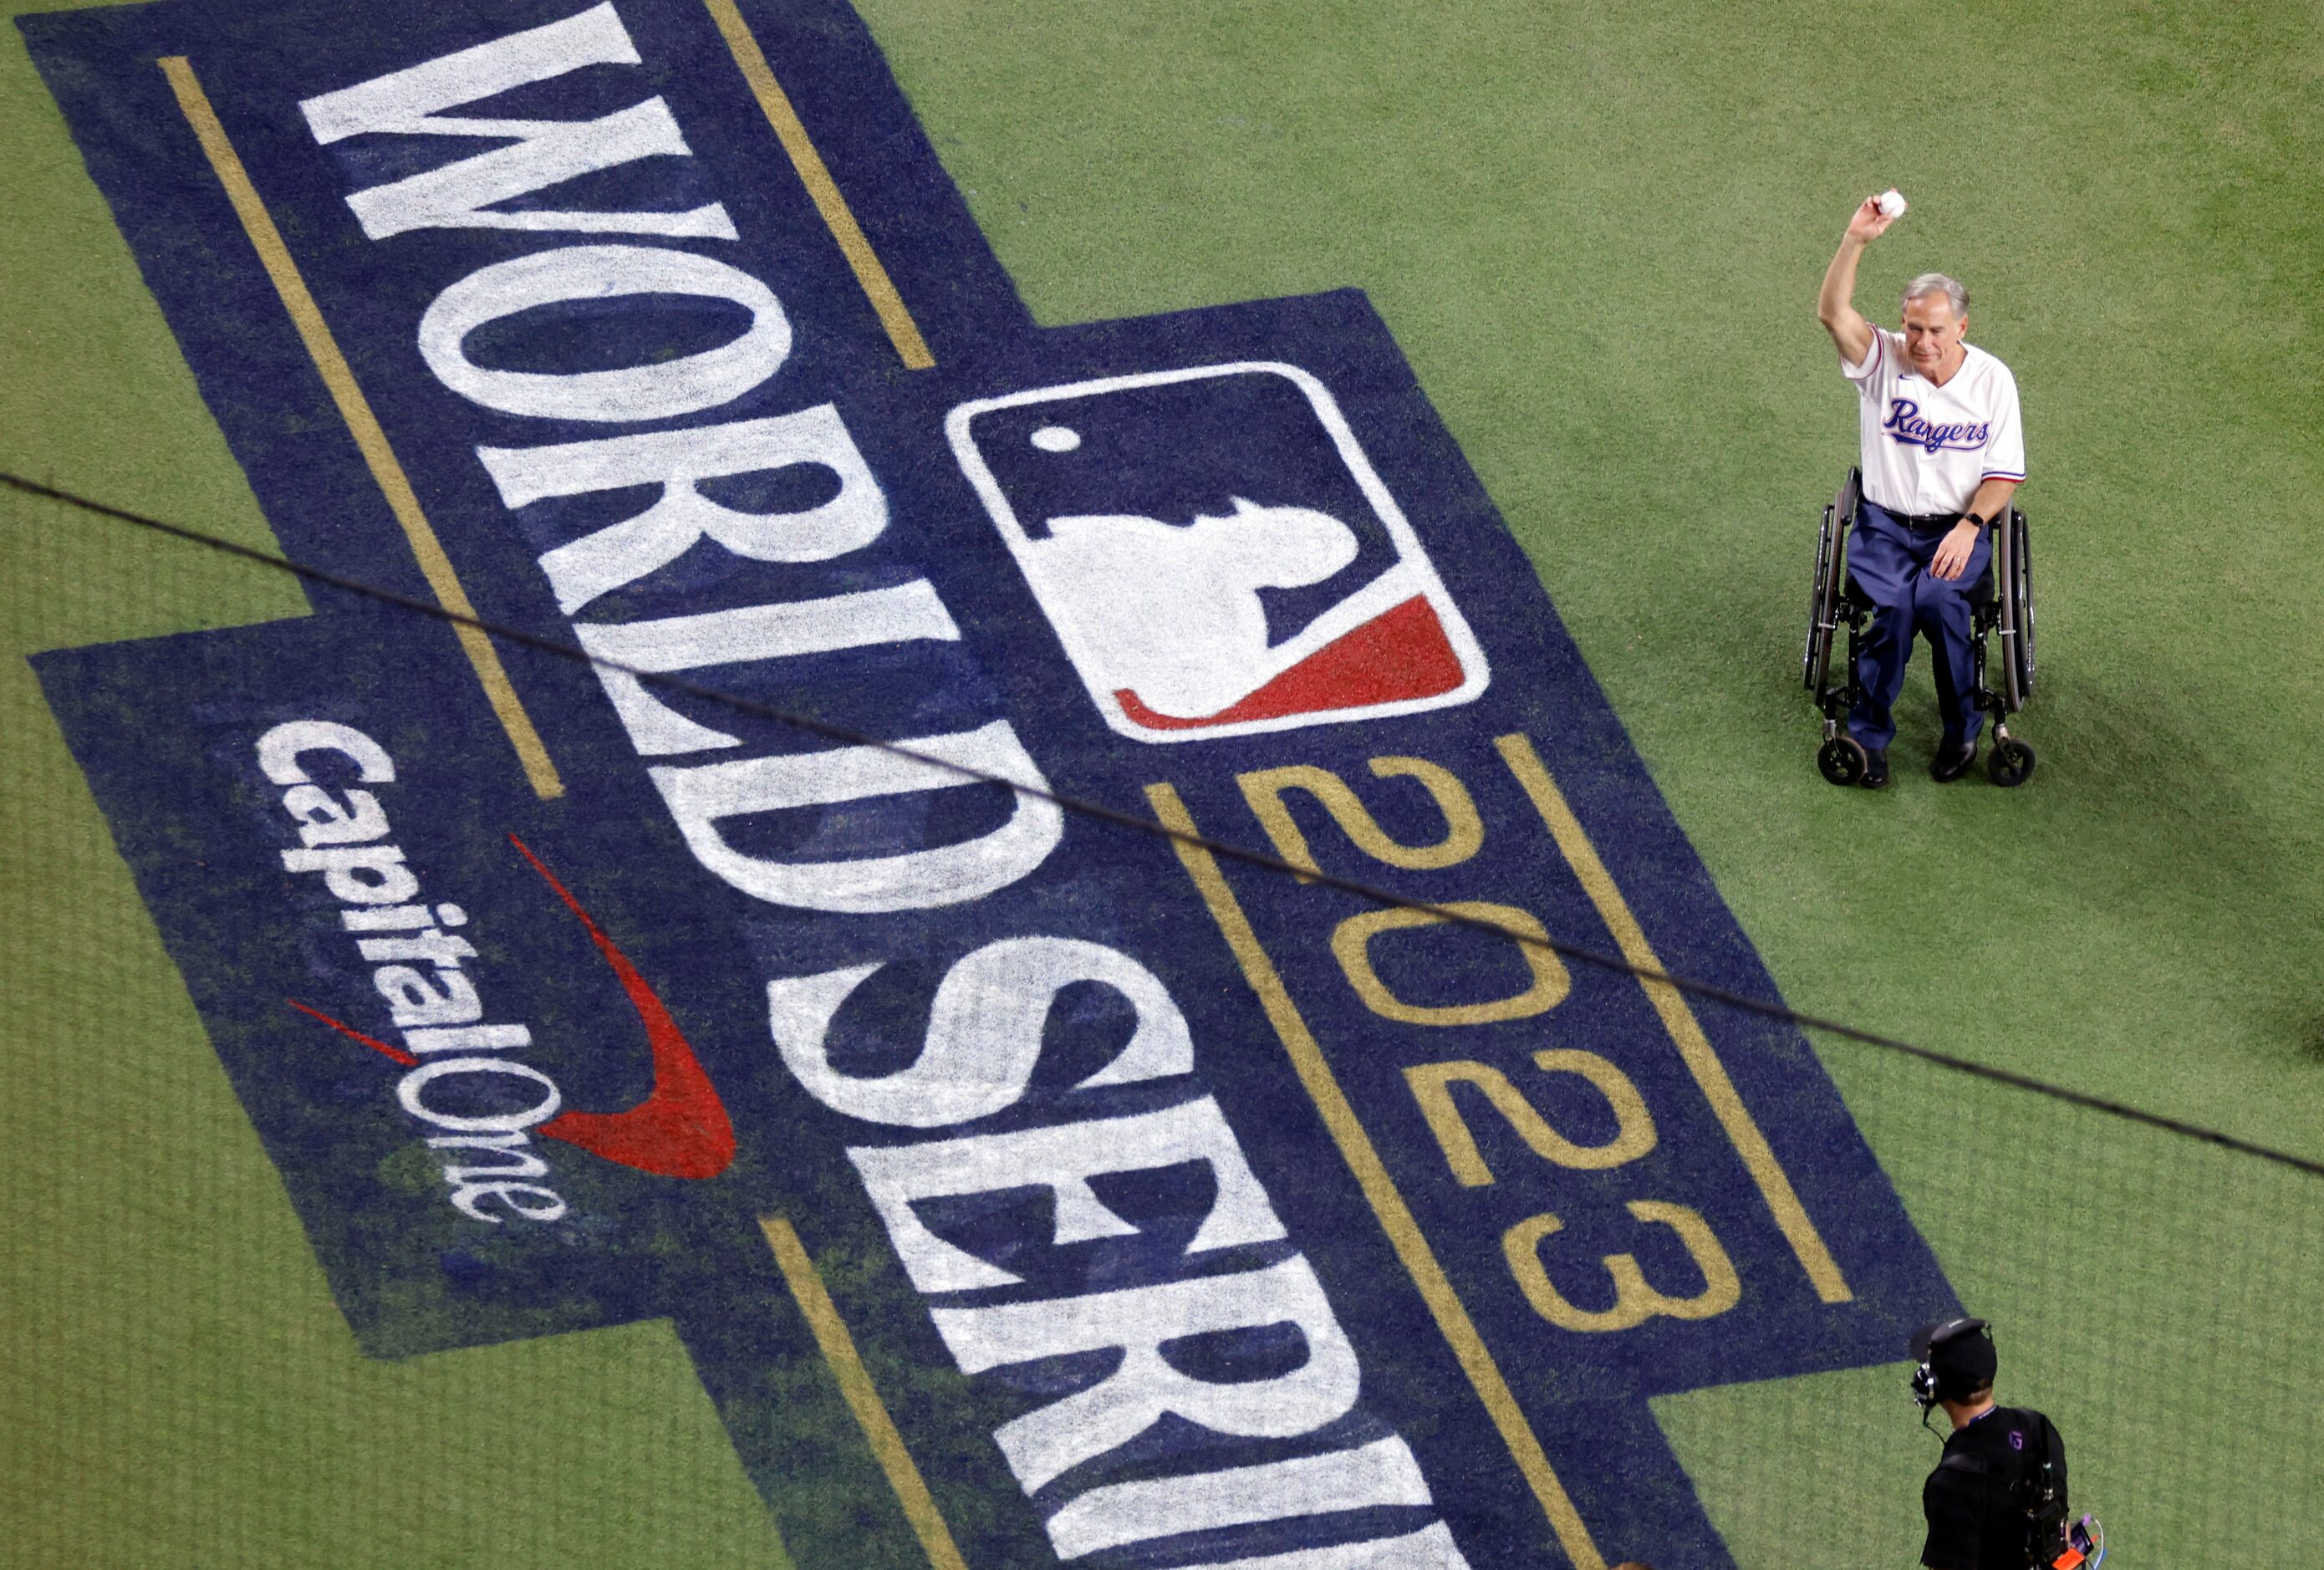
column 1708, row 991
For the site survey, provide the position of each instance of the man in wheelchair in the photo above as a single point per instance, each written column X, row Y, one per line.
column 1942, row 453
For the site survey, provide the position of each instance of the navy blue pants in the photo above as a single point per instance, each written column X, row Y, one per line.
column 1889, row 559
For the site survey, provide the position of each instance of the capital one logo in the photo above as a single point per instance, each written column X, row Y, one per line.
column 1217, row 554
column 680, row 1129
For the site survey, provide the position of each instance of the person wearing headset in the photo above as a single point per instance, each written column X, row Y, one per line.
column 1987, row 1503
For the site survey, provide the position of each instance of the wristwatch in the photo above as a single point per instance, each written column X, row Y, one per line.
column 1982, row 523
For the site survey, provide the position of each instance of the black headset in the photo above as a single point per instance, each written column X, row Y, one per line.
column 1930, row 1387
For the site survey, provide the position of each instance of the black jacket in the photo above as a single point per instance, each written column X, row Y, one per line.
column 1976, row 1514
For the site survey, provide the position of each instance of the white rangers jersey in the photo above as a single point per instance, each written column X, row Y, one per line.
column 1926, row 448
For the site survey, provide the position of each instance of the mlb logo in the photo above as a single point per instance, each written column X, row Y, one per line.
column 1217, row 554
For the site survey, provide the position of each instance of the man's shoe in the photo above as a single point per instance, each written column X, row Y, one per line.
column 1876, row 767
column 1951, row 763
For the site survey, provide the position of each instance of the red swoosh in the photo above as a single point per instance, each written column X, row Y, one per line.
column 680, row 1129
column 373, row 1042
column 1401, row 653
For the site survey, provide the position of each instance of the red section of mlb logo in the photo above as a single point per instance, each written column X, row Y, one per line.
column 1399, row 658
column 1217, row 553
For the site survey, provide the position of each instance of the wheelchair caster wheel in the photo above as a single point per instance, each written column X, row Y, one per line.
column 2011, row 762
column 1843, row 762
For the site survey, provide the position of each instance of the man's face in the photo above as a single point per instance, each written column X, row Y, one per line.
column 1932, row 334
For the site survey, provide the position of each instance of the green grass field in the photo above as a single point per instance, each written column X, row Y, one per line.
column 1596, row 231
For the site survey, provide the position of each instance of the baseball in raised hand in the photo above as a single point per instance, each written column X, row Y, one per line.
column 1871, row 220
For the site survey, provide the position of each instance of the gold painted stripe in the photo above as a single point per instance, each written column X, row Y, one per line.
column 1678, row 1018
column 862, row 1397
column 902, row 330
column 355, row 410
column 1373, row 1177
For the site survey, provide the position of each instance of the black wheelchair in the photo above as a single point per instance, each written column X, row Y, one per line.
column 2005, row 606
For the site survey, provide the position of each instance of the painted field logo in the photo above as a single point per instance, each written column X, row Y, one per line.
column 1217, row 553
column 1189, row 1214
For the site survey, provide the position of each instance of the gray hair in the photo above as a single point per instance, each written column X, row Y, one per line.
column 1929, row 283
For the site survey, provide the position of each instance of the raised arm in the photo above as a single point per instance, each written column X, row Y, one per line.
column 1835, row 307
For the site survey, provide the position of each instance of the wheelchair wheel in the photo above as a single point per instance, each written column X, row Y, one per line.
column 2017, row 614
column 2011, row 762
column 1843, row 762
column 2023, row 558
column 1816, row 663
column 1829, row 582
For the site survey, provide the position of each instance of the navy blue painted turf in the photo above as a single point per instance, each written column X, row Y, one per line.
column 165, row 730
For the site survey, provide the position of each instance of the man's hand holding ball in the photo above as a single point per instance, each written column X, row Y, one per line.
column 1872, row 220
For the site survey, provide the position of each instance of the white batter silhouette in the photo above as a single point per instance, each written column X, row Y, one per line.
column 1172, row 612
